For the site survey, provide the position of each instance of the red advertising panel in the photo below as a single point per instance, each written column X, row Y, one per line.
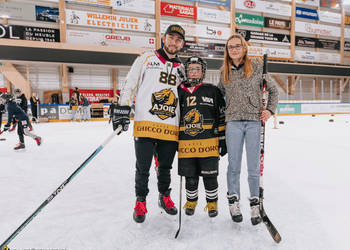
column 94, row 95
column 3, row 90
column 178, row 10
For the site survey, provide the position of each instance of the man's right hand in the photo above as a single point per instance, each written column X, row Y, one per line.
column 121, row 117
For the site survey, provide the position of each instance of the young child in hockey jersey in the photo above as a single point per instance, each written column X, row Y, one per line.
column 15, row 112
column 202, row 135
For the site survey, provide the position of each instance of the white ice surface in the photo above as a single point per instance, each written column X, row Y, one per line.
column 306, row 181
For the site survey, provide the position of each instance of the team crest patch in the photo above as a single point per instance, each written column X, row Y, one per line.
column 164, row 104
column 193, row 122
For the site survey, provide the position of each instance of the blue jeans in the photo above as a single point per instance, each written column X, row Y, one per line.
column 237, row 133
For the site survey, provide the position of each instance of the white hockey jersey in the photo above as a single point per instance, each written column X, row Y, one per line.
column 153, row 80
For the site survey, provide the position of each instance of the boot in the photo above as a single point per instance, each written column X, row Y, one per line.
column 140, row 210
column 255, row 214
column 189, row 207
column 20, row 145
column 212, row 208
column 38, row 140
column 14, row 125
column 166, row 203
column 235, row 211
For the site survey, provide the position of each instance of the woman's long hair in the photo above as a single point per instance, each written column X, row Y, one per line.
column 227, row 65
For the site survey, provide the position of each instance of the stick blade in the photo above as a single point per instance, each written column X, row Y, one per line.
column 270, row 227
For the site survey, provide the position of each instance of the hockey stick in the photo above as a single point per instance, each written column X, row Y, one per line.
column 178, row 230
column 58, row 190
column 270, row 227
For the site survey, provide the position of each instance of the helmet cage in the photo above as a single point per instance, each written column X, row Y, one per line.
column 195, row 60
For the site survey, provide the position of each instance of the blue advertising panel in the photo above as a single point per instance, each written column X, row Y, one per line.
column 46, row 14
column 306, row 13
column 226, row 3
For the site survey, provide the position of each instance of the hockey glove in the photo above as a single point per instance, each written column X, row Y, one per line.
column 121, row 117
column 7, row 127
column 222, row 147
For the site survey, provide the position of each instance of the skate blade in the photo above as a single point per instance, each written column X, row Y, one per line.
column 22, row 150
column 166, row 215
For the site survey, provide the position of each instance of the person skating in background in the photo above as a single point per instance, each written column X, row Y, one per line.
column 77, row 93
column 202, row 135
column 240, row 82
column 153, row 80
column 21, row 100
column 74, row 106
column 86, row 114
column 34, row 102
column 111, row 108
column 16, row 112
column 2, row 110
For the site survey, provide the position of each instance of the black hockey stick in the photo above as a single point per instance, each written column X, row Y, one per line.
column 270, row 227
column 180, row 203
column 58, row 190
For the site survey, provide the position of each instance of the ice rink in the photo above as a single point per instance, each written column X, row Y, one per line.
column 306, row 181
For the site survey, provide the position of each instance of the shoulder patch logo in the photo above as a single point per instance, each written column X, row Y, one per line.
column 193, row 122
column 164, row 103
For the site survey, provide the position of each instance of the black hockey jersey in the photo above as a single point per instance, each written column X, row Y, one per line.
column 202, row 121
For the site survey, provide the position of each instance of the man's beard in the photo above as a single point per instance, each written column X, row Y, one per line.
column 170, row 52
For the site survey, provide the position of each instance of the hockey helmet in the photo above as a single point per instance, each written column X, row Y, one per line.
column 7, row 97
column 195, row 60
column 17, row 91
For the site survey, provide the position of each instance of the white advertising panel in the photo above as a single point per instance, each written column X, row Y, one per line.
column 213, row 15
column 110, row 39
column 325, row 108
column 200, row 30
column 264, row 6
column 311, row 56
column 272, row 53
column 109, row 21
column 251, row 5
column 317, row 29
column 144, row 6
column 309, row 2
column 347, row 33
column 330, row 17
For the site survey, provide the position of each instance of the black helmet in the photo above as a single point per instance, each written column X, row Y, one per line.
column 7, row 97
column 17, row 91
column 195, row 60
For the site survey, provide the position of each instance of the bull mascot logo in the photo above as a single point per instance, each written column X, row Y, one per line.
column 164, row 104
column 193, row 122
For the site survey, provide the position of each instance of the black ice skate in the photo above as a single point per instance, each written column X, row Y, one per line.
column 140, row 210
column 190, row 207
column 255, row 214
column 166, row 203
column 212, row 208
column 19, row 146
column 234, row 207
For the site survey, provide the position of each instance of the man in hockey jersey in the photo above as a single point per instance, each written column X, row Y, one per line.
column 15, row 112
column 153, row 80
column 202, row 135
column 21, row 100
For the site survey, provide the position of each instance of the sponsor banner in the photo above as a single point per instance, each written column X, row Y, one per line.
column 317, row 29
column 251, row 5
column 226, row 3
column 277, row 23
column 331, row 3
column 263, row 6
column 272, row 53
column 250, row 20
column 200, row 30
column 309, row 2
column 29, row 33
column 46, row 14
column 3, row 90
column 278, row 8
column 64, row 113
column 212, row 50
column 289, row 108
column 144, row 6
column 310, row 56
column 325, row 108
column 317, row 43
column 347, row 33
column 347, row 46
column 264, row 37
column 17, row 10
column 178, row 10
column 96, row 2
column 213, row 15
column 306, row 13
column 347, row 20
column 110, row 39
column 49, row 111
column 94, row 95
column 109, row 21
column 330, row 17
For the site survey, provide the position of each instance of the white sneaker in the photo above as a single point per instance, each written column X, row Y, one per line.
column 254, row 210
